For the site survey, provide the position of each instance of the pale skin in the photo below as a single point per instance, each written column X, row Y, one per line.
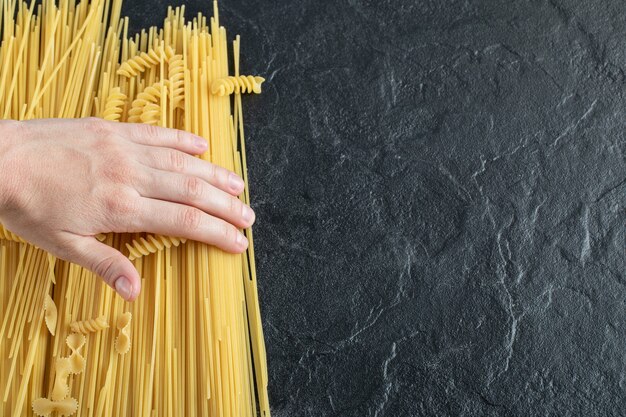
column 62, row 182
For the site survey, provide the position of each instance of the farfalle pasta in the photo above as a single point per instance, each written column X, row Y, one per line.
column 50, row 314
column 122, row 341
column 75, row 342
column 61, row 389
column 45, row 407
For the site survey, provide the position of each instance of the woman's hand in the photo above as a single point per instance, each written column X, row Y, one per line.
column 64, row 181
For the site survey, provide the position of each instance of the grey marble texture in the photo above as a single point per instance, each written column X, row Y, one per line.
column 440, row 190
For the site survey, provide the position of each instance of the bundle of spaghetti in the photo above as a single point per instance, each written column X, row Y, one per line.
column 194, row 346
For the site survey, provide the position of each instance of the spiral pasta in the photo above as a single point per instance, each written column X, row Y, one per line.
column 7, row 235
column 50, row 314
column 151, row 95
column 89, row 326
column 151, row 114
column 145, row 60
column 237, row 85
column 75, row 341
column 122, row 341
column 151, row 244
column 176, row 74
column 146, row 107
column 114, row 105
column 44, row 407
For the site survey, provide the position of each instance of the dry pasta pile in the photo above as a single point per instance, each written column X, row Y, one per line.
column 192, row 344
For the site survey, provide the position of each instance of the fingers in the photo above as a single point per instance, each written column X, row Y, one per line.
column 193, row 191
column 172, row 219
column 162, row 137
column 175, row 161
column 138, row 133
column 109, row 264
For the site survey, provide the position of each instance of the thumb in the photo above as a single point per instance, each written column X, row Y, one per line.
column 108, row 263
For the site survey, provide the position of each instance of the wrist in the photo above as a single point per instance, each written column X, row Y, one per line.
column 5, row 134
column 9, row 132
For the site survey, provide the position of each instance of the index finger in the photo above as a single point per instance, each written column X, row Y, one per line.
column 163, row 137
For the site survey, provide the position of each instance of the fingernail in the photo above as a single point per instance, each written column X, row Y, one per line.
column 235, row 182
column 241, row 240
column 123, row 288
column 247, row 214
column 200, row 143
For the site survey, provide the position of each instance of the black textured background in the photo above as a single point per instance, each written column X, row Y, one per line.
column 440, row 191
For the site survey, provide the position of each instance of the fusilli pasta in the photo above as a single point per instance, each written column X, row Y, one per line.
column 145, row 60
column 237, row 85
column 89, row 326
column 152, row 244
column 114, row 105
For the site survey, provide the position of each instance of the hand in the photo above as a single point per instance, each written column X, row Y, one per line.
column 64, row 181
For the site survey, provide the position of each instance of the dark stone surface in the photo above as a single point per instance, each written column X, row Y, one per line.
column 440, row 189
